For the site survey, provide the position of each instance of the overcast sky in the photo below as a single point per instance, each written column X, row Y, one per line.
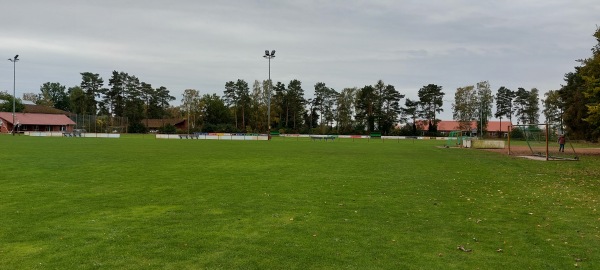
column 183, row 44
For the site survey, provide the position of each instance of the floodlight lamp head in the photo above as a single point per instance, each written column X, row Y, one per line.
column 266, row 52
column 273, row 53
column 16, row 57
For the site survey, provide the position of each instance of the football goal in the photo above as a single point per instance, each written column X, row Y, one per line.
column 455, row 139
column 540, row 141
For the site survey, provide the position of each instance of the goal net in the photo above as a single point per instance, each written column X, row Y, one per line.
column 541, row 140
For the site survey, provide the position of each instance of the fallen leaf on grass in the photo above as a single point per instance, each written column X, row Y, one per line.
column 461, row 248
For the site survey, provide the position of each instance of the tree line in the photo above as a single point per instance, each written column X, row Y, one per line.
column 242, row 107
column 372, row 108
column 126, row 96
column 576, row 105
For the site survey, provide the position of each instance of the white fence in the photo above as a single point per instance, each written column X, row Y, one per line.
column 60, row 134
column 365, row 137
column 412, row 138
column 216, row 136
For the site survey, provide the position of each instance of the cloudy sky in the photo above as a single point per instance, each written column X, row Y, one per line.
column 199, row 44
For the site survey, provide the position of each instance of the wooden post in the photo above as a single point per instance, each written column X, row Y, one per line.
column 547, row 139
column 509, row 130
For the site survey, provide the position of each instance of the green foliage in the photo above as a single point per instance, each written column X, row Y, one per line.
column 484, row 106
column 406, row 130
column 465, row 106
column 191, row 107
column 168, row 129
column 411, row 111
column 504, row 100
column 431, row 101
column 91, row 85
column 55, row 95
column 6, row 103
column 553, row 106
column 389, row 112
column 345, row 107
column 137, row 127
column 294, row 103
column 216, row 116
column 378, row 108
column 581, row 97
column 324, row 104
column 526, row 105
column 237, row 97
column 575, row 110
column 590, row 73
column 517, row 133
column 365, row 108
column 228, row 128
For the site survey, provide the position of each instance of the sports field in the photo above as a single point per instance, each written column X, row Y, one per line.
column 142, row 203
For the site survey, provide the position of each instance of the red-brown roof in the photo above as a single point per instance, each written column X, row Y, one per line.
column 454, row 125
column 37, row 119
column 33, row 108
column 495, row 126
column 158, row 123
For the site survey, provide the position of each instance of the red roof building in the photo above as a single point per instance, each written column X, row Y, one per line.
column 35, row 122
column 155, row 124
column 494, row 128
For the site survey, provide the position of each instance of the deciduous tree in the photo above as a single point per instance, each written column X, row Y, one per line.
column 6, row 103
column 465, row 106
column 553, row 109
column 484, row 108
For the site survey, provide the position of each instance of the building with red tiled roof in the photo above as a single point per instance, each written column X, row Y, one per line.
column 155, row 124
column 35, row 122
column 33, row 108
column 494, row 128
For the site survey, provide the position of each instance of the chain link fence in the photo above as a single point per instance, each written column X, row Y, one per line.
column 100, row 123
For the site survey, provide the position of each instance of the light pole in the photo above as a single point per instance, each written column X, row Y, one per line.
column 14, row 61
column 269, row 56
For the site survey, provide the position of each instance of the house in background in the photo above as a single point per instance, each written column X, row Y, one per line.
column 33, row 108
column 494, row 128
column 498, row 128
column 35, row 122
column 156, row 124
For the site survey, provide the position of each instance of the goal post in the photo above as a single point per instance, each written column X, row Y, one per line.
column 541, row 140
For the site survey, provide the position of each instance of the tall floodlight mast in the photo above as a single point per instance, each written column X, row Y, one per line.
column 269, row 56
column 14, row 61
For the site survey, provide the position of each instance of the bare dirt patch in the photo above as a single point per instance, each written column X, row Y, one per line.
column 525, row 151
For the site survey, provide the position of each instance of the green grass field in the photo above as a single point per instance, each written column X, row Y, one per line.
column 143, row 203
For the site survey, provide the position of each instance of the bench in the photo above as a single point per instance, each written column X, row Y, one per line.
column 189, row 136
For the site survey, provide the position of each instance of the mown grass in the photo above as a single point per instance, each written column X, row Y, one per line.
column 142, row 203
